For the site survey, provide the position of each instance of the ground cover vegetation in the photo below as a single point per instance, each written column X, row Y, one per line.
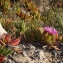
column 23, row 22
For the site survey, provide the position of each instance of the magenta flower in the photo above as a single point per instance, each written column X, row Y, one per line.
column 50, row 30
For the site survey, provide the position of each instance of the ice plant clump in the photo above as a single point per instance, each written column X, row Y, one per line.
column 50, row 35
column 4, row 52
column 50, row 30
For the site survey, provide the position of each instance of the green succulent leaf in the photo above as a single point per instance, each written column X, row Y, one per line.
column 1, row 49
column 5, row 51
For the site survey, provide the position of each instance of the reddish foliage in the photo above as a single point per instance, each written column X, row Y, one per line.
column 1, row 58
column 8, row 40
column 15, row 42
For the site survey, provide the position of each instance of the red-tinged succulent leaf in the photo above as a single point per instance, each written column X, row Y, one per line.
column 7, row 38
column 1, row 42
column 15, row 42
column 1, row 58
column 3, row 36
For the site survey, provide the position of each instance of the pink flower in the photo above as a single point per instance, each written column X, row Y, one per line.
column 50, row 30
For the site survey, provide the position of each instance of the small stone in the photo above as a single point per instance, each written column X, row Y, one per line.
column 2, row 30
column 9, row 61
column 32, row 47
column 41, row 55
column 23, row 46
column 24, row 54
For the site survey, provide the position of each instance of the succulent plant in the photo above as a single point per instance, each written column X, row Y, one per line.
column 61, row 38
column 5, row 4
column 21, row 27
column 29, row 12
column 34, row 31
column 30, row 24
column 33, row 35
column 53, row 18
column 5, row 51
column 6, row 39
column 49, row 36
column 37, row 35
column 29, row 36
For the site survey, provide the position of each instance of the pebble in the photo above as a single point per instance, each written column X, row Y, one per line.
column 32, row 47
column 9, row 61
column 24, row 54
column 41, row 55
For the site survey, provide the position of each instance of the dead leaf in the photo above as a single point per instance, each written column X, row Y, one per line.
column 55, row 47
column 18, row 50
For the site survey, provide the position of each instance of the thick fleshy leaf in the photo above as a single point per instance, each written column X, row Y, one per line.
column 1, row 58
column 5, row 51
column 15, row 42
column 3, row 36
column 7, row 38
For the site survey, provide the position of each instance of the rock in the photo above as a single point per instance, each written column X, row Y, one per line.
column 44, row 57
column 9, row 61
column 24, row 54
column 2, row 30
column 41, row 55
column 32, row 47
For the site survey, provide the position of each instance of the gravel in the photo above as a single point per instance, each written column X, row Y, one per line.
column 35, row 53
